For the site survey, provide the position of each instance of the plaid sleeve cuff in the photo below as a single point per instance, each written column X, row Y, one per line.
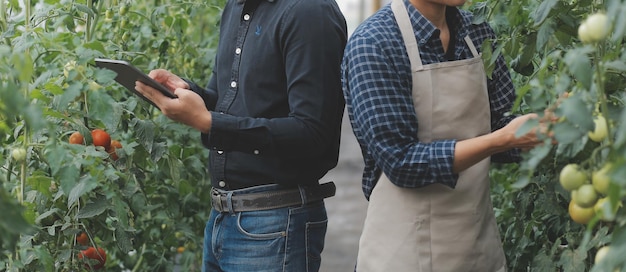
column 442, row 159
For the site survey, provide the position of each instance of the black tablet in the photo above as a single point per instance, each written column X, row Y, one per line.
column 127, row 74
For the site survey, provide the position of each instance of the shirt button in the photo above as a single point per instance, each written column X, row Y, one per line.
column 256, row 152
column 220, row 152
column 233, row 84
column 246, row 17
column 222, row 183
column 238, row 51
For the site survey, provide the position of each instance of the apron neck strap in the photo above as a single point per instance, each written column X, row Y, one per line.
column 406, row 28
column 471, row 46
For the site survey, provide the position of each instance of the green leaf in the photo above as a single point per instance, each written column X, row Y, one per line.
column 121, row 212
column 45, row 258
column 69, row 94
column 103, row 108
column 572, row 260
column 46, row 214
column 481, row 12
column 85, row 185
column 94, row 208
column 545, row 33
column 40, row 183
column 537, row 155
column 95, row 45
column 617, row 12
column 54, row 88
column 616, row 65
column 566, row 133
column 579, row 65
column 576, row 111
column 144, row 132
column 542, row 11
column 123, row 239
column 104, row 75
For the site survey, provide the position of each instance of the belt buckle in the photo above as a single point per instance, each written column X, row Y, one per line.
column 217, row 200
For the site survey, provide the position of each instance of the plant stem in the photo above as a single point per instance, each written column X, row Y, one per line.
column 20, row 197
column 3, row 16
column 88, row 22
column 604, row 108
column 138, row 264
column 27, row 11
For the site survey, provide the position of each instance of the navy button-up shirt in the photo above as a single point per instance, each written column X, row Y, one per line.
column 275, row 93
column 377, row 86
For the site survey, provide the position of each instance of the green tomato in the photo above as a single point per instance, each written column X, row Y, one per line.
column 123, row 9
column 601, row 254
column 571, row 177
column 94, row 86
column 123, row 23
column 601, row 180
column 597, row 27
column 586, row 196
column 125, row 36
column 108, row 15
column 19, row 154
column 604, row 209
column 583, row 33
column 600, row 131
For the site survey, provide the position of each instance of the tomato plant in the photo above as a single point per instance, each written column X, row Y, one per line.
column 57, row 188
column 556, row 48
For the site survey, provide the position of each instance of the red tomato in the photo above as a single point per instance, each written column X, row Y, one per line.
column 77, row 138
column 115, row 144
column 99, row 256
column 101, row 138
column 82, row 238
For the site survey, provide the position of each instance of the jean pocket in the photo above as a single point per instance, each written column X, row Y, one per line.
column 263, row 225
column 315, row 233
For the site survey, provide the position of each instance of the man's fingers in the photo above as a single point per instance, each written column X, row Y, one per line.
column 149, row 92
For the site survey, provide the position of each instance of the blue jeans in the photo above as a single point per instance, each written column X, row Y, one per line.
column 287, row 239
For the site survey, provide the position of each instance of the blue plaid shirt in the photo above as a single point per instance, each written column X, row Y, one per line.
column 377, row 87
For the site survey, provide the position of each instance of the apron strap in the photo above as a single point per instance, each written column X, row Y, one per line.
column 406, row 28
column 471, row 46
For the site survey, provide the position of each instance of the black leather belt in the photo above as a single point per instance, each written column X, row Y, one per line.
column 270, row 199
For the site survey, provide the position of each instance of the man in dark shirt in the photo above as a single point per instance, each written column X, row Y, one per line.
column 271, row 117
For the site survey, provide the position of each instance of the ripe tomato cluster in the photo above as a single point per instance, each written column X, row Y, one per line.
column 93, row 258
column 99, row 138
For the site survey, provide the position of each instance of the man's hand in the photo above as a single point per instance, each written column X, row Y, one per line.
column 188, row 108
column 167, row 79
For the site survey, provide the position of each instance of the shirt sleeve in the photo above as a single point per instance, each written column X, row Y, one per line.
column 209, row 95
column 385, row 122
column 312, row 40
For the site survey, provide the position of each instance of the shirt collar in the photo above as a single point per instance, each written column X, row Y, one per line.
column 424, row 29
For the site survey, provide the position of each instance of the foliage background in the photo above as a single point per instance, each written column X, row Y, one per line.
column 539, row 40
column 147, row 209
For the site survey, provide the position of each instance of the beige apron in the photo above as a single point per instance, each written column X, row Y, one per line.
column 437, row 228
